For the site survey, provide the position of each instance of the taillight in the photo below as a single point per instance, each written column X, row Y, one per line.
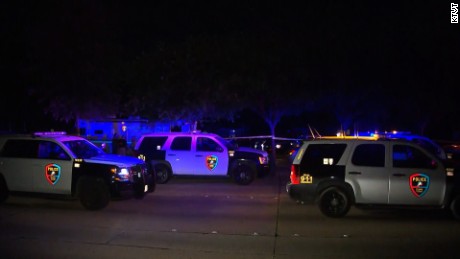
column 295, row 174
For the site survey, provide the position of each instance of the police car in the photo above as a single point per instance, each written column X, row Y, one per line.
column 338, row 172
column 57, row 164
column 200, row 154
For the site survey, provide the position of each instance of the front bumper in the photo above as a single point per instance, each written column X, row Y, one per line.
column 137, row 187
column 263, row 170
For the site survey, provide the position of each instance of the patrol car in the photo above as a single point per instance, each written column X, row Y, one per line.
column 57, row 164
column 338, row 172
column 200, row 154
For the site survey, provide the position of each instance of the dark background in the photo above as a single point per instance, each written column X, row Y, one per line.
column 403, row 53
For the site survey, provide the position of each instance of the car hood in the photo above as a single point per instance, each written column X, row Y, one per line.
column 113, row 159
column 252, row 150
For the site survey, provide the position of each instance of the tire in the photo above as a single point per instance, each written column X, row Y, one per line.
column 4, row 192
column 243, row 174
column 455, row 207
column 334, row 202
column 139, row 193
column 162, row 173
column 93, row 193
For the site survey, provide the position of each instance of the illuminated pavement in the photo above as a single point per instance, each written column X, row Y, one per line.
column 205, row 218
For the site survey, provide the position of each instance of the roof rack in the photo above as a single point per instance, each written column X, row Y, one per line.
column 49, row 133
column 349, row 137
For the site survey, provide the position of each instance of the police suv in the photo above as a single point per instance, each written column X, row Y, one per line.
column 200, row 154
column 338, row 172
column 57, row 164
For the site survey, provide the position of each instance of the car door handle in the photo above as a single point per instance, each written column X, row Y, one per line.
column 398, row 174
column 171, row 154
column 354, row 172
column 199, row 155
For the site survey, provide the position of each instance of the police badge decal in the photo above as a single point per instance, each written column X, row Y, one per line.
column 211, row 162
column 52, row 173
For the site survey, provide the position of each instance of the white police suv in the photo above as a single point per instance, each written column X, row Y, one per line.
column 200, row 154
column 338, row 172
column 57, row 164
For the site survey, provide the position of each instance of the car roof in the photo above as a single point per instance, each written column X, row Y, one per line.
column 179, row 134
column 59, row 136
column 342, row 139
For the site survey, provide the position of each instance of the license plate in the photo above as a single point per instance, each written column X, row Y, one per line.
column 306, row 178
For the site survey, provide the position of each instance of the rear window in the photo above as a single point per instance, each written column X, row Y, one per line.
column 182, row 144
column 149, row 143
column 322, row 154
column 20, row 148
column 369, row 155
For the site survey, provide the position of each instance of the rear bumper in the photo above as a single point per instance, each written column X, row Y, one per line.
column 301, row 192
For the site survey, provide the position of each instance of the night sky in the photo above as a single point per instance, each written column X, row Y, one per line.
column 389, row 45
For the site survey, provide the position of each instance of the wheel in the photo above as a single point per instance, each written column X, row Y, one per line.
column 163, row 173
column 4, row 193
column 139, row 193
column 93, row 193
column 334, row 202
column 243, row 174
column 455, row 207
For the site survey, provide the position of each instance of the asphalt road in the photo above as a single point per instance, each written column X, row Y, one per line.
column 215, row 218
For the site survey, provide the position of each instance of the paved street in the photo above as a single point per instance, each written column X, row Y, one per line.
column 215, row 218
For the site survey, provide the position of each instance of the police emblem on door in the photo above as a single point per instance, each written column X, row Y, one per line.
column 419, row 184
column 52, row 173
column 211, row 162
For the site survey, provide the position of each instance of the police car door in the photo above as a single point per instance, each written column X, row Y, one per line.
column 52, row 169
column 19, row 157
column 211, row 158
column 417, row 177
column 367, row 174
column 180, row 155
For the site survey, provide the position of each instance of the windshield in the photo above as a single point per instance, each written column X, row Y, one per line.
column 83, row 148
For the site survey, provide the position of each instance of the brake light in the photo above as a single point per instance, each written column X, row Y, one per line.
column 295, row 174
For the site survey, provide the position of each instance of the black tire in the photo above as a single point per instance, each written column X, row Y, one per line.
column 455, row 207
column 243, row 174
column 4, row 192
column 139, row 192
column 93, row 193
column 163, row 173
column 334, row 202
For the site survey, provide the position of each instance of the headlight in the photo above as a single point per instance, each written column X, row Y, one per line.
column 121, row 174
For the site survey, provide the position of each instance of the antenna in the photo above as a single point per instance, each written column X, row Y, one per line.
column 313, row 132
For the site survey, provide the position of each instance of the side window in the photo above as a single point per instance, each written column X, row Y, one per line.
column 181, row 143
column 322, row 154
column 152, row 143
column 207, row 144
column 369, row 155
column 51, row 150
column 431, row 147
column 410, row 157
column 20, row 148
